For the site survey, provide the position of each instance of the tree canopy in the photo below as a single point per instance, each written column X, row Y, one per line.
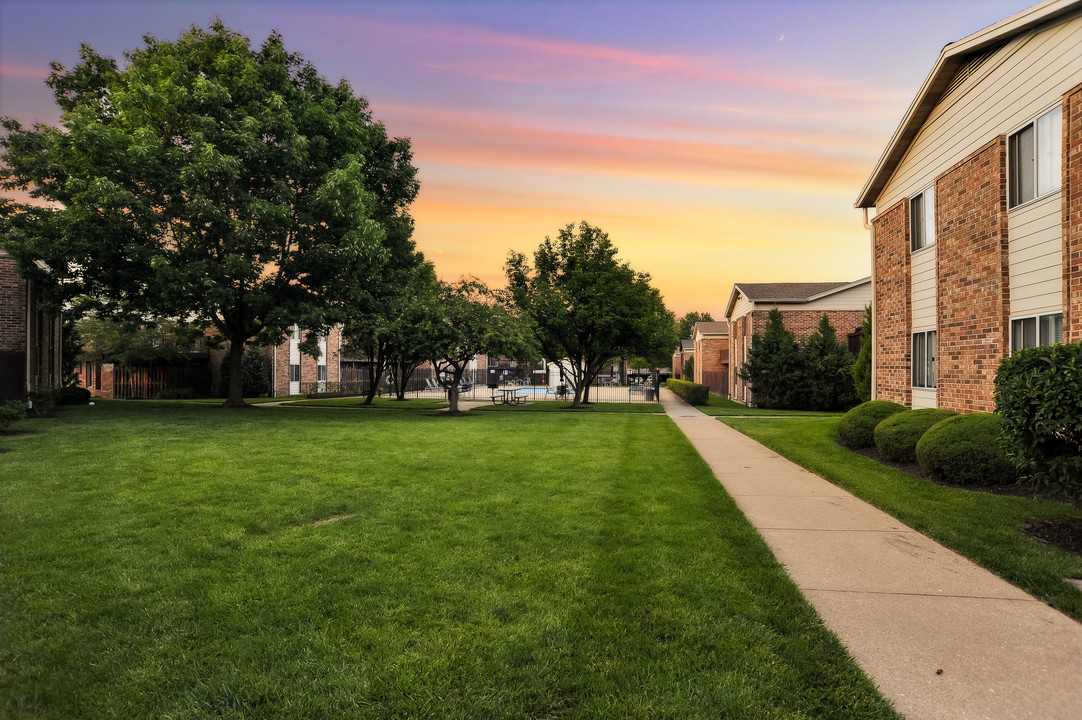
column 686, row 324
column 468, row 320
column 587, row 306
column 211, row 182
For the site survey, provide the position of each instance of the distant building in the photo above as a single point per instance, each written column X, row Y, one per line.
column 30, row 339
column 710, row 341
column 801, row 305
column 680, row 356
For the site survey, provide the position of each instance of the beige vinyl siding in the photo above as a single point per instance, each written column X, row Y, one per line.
column 1035, row 254
column 1014, row 85
column 923, row 398
column 741, row 307
column 922, row 289
column 852, row 299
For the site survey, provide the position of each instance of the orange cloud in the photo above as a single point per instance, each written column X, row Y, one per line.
column 24, row 71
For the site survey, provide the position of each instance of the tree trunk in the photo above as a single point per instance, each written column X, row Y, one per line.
column 235, row 395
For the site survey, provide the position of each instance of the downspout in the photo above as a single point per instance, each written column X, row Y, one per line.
column 871, row 231
column 274, row 371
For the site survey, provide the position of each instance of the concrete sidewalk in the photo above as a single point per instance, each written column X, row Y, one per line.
column 940, row 636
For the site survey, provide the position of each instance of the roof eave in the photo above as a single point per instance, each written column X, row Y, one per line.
column 950, row 59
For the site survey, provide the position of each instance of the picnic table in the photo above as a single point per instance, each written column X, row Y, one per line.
column 508, row 397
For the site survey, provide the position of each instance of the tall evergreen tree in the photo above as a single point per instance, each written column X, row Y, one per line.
column 826, row 369
column 772, row 369
column 862, row 368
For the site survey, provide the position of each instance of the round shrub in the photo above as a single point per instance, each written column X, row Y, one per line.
column 967, row 450
column 857, row 425
column 74, row 395
column 896, row 437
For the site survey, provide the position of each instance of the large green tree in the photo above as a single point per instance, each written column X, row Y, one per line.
column 686, row 324
column 826, row 367
column 469, row 320
column 862, row 368
column 206, row 180
column 587, row 306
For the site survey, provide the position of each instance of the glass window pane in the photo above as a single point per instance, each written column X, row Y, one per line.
column 929, row 217
column 1049, row 160
column 1051, row 329
column 1021, row 166
column 931, row 377
column 916, row 222
column 918, row 360
column 1016, row 335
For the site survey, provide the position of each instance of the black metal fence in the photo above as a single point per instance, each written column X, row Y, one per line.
column 142, row 383
column 476, row 385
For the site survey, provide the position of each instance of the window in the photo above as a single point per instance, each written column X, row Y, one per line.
column 294, row 373
column 321, row 373
column 922, row 220
column 1033, row 156
column 295, row 333
column 924, row 373
column 1035, row 331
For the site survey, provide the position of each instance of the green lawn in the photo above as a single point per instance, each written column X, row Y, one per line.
column 559, row 406
column 175, row 560
column 719, row 405
column 985, row 528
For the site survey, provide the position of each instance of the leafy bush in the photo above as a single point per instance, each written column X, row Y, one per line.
column 11, row 412
column 255, row 369
column 74, row 395
column 966, row 449
column 693, row 393
column 176, row 394
column 1039, row 399
column 42, row 400
column 896, row 437
column 689, row 368
column 858, row 424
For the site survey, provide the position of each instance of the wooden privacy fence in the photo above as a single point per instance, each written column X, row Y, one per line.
column 143, row 383
column 717, row 381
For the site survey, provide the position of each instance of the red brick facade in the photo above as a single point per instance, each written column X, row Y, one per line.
column 973, row 292
column 892, row 317
column 29, row 354
column 1072, row 216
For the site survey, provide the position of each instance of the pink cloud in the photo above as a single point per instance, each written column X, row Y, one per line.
column 24, row 71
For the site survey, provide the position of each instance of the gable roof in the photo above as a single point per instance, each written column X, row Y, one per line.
column 687, row 345
column 710, row 328
column 952, row 59
column 791, row 293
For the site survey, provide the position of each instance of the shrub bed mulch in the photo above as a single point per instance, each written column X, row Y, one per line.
column 1064, row 533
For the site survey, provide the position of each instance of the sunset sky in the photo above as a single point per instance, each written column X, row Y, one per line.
column 716, row 142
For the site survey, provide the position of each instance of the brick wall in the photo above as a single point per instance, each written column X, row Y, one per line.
column 892, row 318
column 12, row 306
column 972, row 279
column 708, row 355
column 1072, row 215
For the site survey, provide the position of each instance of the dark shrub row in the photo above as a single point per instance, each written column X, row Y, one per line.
column 693, row 393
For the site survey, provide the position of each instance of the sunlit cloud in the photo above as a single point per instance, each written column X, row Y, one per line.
column 24, row 71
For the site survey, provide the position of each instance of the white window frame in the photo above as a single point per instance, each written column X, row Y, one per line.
column 1045, row 158
column 321, row 373
column 922, row 226
column 1044, row 331
column 924, row 364
column 295, row 373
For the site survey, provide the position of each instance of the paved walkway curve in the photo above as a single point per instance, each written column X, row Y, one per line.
column 940, row 636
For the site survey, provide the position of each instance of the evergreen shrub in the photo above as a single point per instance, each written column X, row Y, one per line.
column 11, row 412
column 1039, row 399
column 255, row 368
column 693, row 393
column 896, row 437
column 967, row 450
column 857, row 426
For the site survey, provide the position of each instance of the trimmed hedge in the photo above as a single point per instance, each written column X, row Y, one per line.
column 968, row 450
column 896, row 437
column 857, row 426
column 693, row 393
column 1039, row 398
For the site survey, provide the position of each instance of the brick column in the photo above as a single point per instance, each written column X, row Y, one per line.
column 972, row 278
column 893, row 319
column 1072, row 215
